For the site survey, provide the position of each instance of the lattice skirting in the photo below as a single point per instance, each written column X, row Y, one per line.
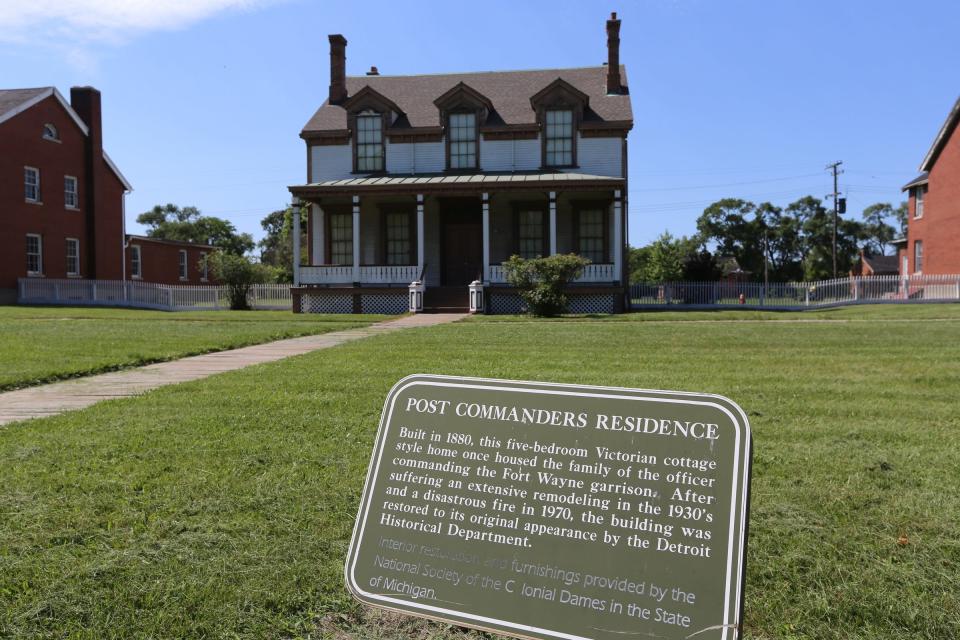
column 326, row 303
column 389, row 304
column 507, row 303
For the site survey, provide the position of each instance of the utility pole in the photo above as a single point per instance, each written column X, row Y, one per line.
column 835, row 168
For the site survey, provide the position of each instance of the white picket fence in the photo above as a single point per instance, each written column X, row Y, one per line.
column 145, row 295
column 797, row 295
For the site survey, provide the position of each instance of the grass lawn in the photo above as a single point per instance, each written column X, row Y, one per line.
column 223, row 508
column 41, row 344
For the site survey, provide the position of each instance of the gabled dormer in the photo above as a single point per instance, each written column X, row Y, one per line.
column 462, row 111
column 559, row 107
column 369, row 114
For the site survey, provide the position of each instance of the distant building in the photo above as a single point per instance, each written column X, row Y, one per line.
column 168, row 261
column 443, row 177
column 933, row 231
column 61, row 197
column 869, row 265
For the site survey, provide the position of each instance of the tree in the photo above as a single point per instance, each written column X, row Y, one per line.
column 637, row 260
column 187, row 224
column 540, row 281
column 901, row 214
column 238, row 274
column 734, row 227
column 276, row 248
column 669, row 259
column 877, row 231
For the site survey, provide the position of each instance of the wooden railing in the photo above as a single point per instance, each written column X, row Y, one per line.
column 368, row 274
column 591, row 273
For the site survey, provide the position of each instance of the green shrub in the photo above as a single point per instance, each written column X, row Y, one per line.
column 238, row 274
column 540, row 281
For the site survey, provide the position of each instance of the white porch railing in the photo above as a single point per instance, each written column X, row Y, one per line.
column 370, row 274
column 591, row 273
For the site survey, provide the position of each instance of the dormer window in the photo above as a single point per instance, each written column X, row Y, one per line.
column 559, row 138
column 462, row 138
column 921, row 192
column 369, row 141
column 50, row 132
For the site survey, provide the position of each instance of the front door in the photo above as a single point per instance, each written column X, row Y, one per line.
column 462, row 236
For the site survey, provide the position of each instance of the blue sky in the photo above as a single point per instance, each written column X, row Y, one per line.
column 203, row 100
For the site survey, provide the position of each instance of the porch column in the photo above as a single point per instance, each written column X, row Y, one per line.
column 618, row 235
column 486, row 239
column 553, row 223
column 295, row 204
column 317, row 231
column 420, row 247
column 356, row 238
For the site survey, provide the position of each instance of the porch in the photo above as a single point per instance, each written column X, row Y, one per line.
column 448, row 231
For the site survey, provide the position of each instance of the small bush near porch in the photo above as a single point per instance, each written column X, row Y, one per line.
column 540, row 281
column 222, row 508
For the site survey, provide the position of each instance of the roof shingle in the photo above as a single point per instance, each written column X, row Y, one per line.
column 509, row 91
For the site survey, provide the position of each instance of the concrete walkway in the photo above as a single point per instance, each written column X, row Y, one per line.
column 51, row 399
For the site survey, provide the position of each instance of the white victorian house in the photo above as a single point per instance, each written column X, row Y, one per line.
column 440, row 178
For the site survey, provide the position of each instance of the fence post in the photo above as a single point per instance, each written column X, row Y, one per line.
column 667, row 293
column 806, row 296
column 763, row 295
column 170, row 298
column 856, row 288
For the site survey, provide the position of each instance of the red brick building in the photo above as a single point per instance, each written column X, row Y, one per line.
column 61, row 197
column 168, row 261
column 933, row 232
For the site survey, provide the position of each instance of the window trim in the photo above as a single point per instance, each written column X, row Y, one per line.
column 919, row 198
column 386, row 211
column 574, row 130
column 329, row 213
column 355, row 117
column 73, row 274
column 38, row 199
column 56, row 132
column 544, row 209
column 35, row 274
column 76, row 193
column 183, row 265
column 136, row 264
column 918, row 264
column 604, row 206
column 476, row 139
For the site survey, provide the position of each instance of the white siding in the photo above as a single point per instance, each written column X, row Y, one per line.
column 332, row 162
column 599, row 156
column 400, row 157
column 509, row 155
column 430, row 157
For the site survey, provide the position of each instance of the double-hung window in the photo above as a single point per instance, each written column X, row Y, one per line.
column 136, row 266
column 531, row 233
column 559, row 138
column 918, row 256
column 591, row 235
column 462, row 133
column 399, row 238
column 73, row 257
column 31, row 184
column 369, row 141
column 921, row 193
column 34, row 254
column 183, row 264
column 70, row 199
column 341, row 238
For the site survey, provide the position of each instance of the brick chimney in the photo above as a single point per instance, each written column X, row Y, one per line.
column 338, row 68
column 613, row 55
column 86, row 102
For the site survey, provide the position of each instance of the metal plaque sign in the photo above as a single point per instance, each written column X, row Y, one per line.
column 543, row 510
